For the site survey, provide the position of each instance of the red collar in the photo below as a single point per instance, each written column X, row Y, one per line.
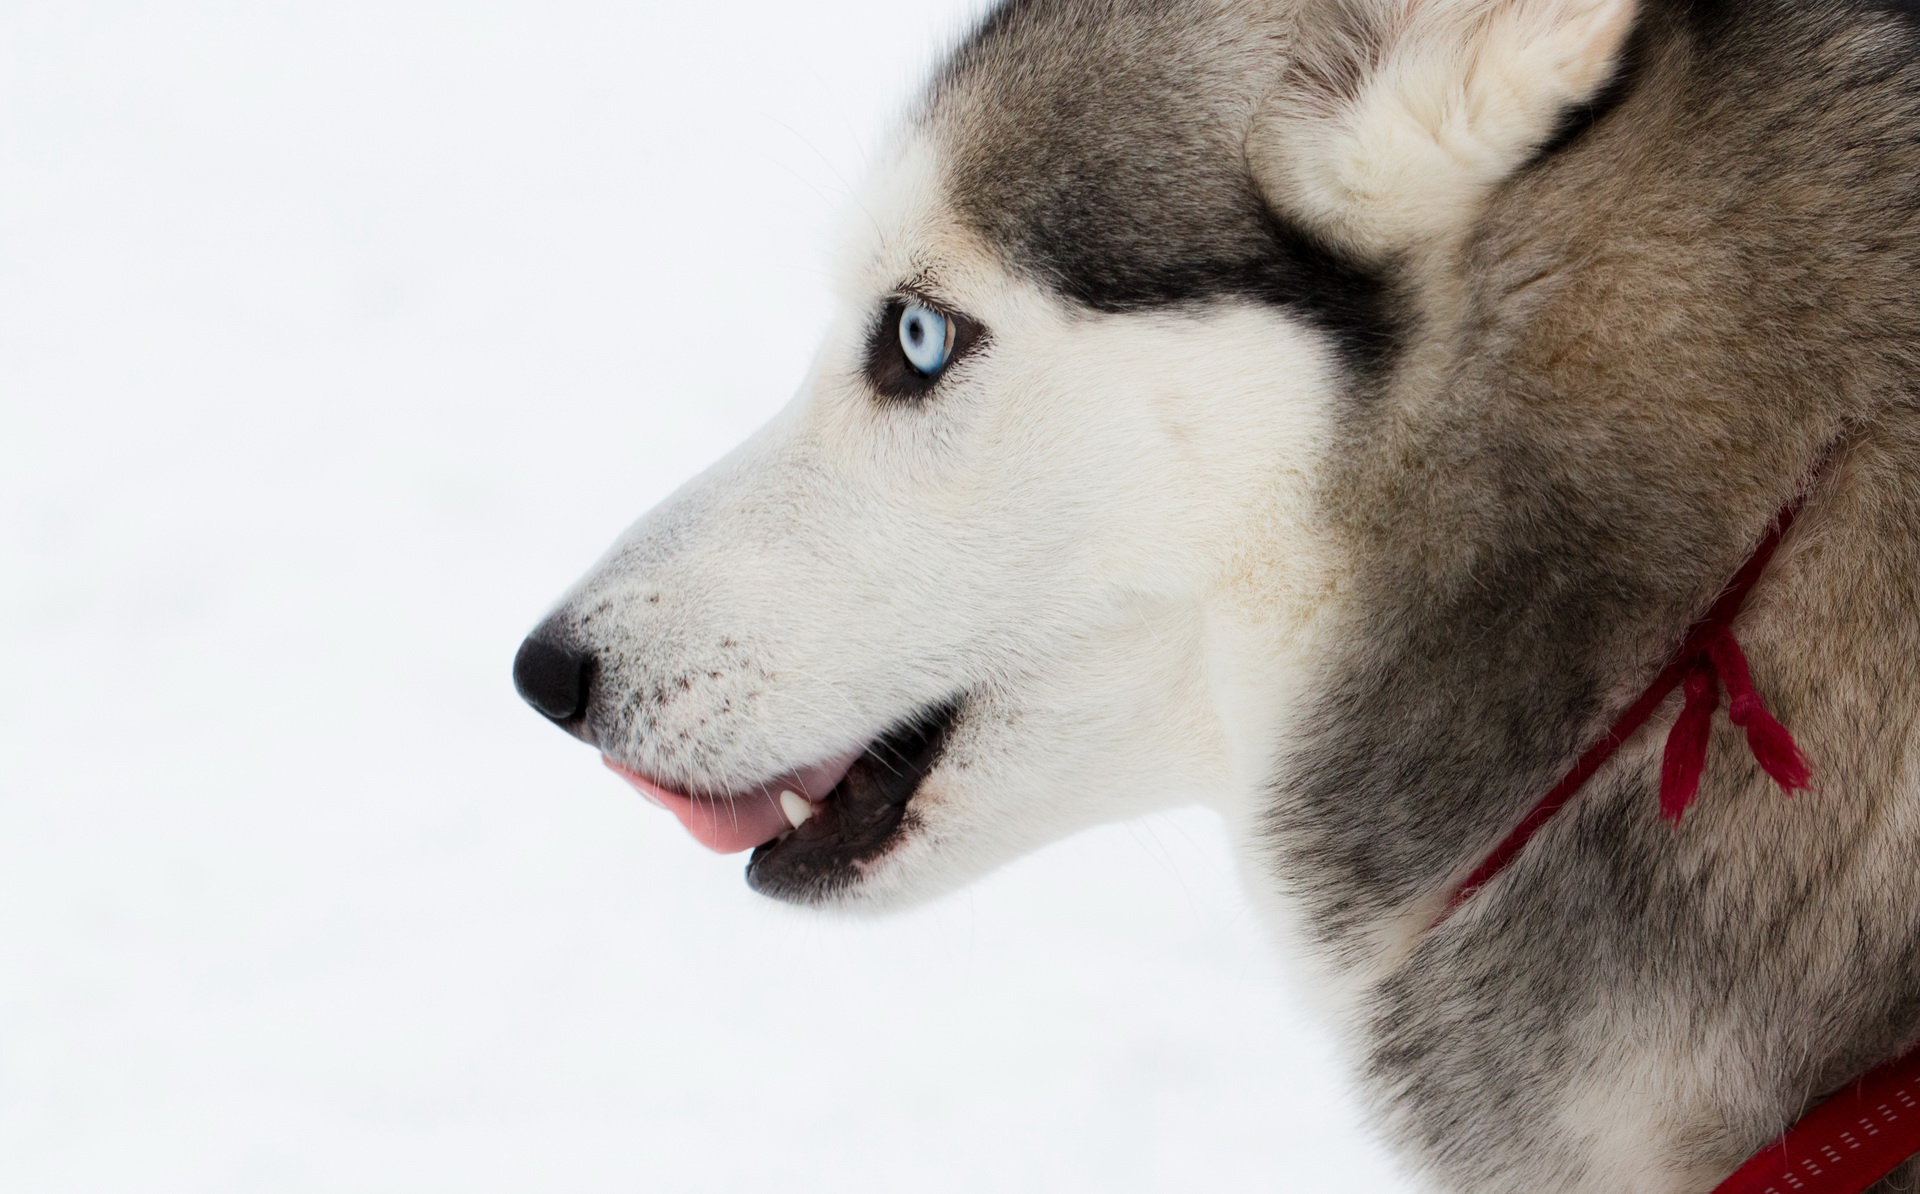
column 1845, row 1144
column 1858, row 1136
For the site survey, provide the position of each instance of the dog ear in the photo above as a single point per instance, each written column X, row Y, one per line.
column 1398, row 117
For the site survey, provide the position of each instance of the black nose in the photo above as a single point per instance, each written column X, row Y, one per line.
column 552, row 678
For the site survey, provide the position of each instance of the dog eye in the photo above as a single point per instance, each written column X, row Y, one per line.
column 913, row 345
column 926, row 336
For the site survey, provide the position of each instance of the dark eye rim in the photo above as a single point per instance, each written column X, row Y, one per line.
column 889, row 371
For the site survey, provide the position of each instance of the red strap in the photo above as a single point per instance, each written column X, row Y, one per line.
column 1707, row 659
column 1845, row 1144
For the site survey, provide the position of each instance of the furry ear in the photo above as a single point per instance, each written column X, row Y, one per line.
column 1397, row 117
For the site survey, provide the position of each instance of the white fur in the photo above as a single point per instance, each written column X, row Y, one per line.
column 1095, row 528
column 1455, row 96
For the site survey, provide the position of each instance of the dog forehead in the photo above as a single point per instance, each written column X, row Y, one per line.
column 904, row 228
column 1097, row 145
column 1100, row 149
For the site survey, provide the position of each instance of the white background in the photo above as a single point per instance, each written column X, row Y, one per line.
column 336, row 338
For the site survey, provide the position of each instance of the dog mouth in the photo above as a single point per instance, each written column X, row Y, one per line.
column 811, row 830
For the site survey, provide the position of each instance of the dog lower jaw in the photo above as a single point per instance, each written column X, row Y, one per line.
column 862, row 818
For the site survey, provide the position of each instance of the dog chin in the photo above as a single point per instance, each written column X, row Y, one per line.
column 866, row 816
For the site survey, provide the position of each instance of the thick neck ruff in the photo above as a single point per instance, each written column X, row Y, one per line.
column 1709, row 657
column 1863, row 1131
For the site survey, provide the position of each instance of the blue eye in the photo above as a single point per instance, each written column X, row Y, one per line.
column 926, row 336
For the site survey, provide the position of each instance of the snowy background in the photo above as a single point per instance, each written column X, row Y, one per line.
column 336, row 338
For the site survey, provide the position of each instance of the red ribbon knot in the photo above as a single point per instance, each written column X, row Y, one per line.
column 1863, row 1132
column 1707, row 659
column 1719, row 660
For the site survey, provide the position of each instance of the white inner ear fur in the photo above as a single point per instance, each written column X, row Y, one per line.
column 1398, row 117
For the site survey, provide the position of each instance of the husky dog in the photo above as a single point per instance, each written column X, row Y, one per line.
column 1336, row 411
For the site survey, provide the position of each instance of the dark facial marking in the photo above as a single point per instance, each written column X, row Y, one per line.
column 1102, row 148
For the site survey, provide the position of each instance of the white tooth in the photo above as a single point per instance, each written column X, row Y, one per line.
column 796, row 807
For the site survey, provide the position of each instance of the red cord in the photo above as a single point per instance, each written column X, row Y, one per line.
column 1708, row 658
column 1858, row 1136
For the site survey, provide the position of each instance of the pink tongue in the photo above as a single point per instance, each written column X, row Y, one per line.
column 735, row 823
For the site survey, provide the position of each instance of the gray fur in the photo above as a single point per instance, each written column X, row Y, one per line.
column 1560, row 424
column 1589, row 414
column 1102, row 145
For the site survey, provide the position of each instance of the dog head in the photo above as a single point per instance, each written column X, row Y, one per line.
column 1037, row 545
